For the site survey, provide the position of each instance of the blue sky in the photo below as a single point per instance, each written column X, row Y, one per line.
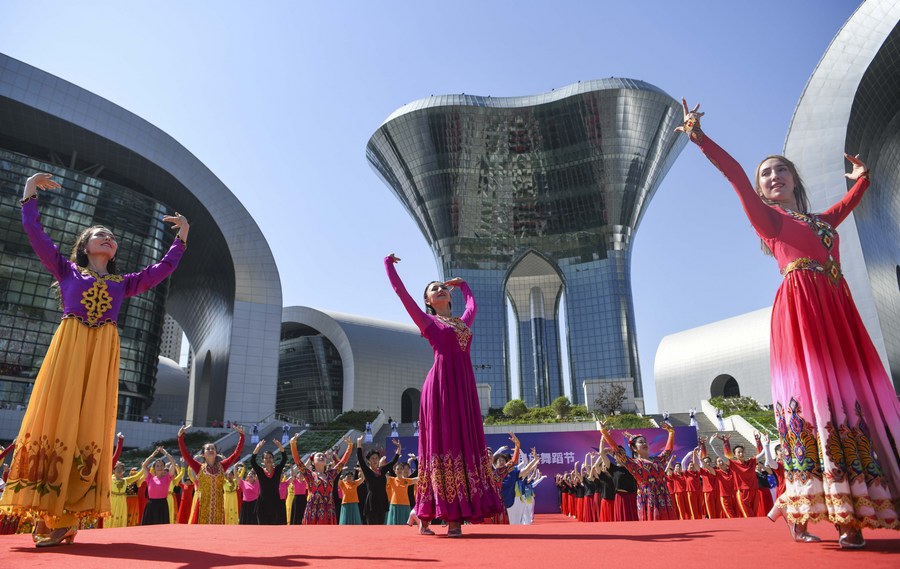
column 278, row 99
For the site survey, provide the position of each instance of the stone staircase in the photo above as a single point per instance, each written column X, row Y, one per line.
column 706, row 428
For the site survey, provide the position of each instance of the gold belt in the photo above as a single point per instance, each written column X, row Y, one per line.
column 830, row 269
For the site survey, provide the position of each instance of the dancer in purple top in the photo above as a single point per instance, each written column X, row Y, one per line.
column 455, row 474
column 63, row 457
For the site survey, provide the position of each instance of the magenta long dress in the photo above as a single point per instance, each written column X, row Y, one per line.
column 455, row 480
column 834, row 404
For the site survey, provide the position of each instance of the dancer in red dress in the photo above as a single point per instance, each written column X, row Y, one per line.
column 835, row 405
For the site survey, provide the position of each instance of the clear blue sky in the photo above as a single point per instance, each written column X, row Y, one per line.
column 278, row 99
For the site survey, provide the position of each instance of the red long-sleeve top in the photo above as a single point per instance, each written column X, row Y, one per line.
column 226, row 463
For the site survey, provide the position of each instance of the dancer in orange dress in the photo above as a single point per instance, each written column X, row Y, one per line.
column 63, row 456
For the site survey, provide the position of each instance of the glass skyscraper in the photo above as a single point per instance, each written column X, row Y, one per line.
column 534, row 201
column 29, row 310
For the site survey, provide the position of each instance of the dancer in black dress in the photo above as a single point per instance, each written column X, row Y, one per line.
column 376, row 483
column 269, row 507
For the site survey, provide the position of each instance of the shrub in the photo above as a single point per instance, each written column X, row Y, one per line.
column 515, row 408
column 561, row 406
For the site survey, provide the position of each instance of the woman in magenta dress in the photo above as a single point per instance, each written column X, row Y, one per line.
column 455, row 476
column 835, row 406
column 653, row 499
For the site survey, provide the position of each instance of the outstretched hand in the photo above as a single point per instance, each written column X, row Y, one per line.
column 454, row 282
column 859, row 168
column 182, row 430
column 180, row 223
column 394, row 258
column 39, row 181
column 691, row 118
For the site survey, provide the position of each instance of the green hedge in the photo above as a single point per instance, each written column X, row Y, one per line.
column 536, row 415
column 349, row 420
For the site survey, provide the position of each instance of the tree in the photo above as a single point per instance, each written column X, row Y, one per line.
column 515, row 408
column 610, row 399
column 561, row 406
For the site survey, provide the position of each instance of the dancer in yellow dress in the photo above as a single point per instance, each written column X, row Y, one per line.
column 63, row 453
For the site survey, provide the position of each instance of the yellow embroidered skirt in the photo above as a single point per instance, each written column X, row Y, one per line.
column 63, row 459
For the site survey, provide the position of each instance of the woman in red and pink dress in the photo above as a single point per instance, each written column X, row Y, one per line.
column 455, row 474
column 835, row 406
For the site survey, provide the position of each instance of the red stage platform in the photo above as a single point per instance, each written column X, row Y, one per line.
column 552, row 542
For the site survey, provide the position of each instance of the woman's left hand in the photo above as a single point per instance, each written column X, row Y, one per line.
column 454, row 282
column 180, row 223
column 859, row 168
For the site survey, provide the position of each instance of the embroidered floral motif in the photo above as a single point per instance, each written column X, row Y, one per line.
column 96, row 301
column 87, row 461
column 868, row 462
column 36, row 465
column 445, row 477
column 799, row 440
column 463, row 333
column 828, row 236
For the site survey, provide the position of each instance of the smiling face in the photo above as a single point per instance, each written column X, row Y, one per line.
column 209, row 453
column 159, row 468
column 776, row 182
column 101, row 242
column 640, row 447
column 437, row 296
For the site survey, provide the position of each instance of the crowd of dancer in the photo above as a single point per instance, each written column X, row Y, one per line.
column 836, row 410
column 637, row 487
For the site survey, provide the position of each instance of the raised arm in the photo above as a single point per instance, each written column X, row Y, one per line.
column 300, row 465
column 236, row 455
column 43, row 246
column 145, row 466
column 726, row 448
column 764, row 219
column 185, row 454
column 418, row 315
column 149, row 277
column 347, row 453
column 173, row 468
column 120, row 442
column 389, row 467
column 839, row 211
column 471, row 307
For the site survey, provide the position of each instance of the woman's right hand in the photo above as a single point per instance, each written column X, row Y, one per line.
column 39, row 181
column 691, row 119
column 359, row 441
column 394, row 258
column 259, row 446
column 182, row 430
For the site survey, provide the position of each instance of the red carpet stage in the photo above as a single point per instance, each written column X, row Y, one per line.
column 552, row 542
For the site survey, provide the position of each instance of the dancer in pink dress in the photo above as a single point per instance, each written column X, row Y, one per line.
column 455, row 474
column 835, row 407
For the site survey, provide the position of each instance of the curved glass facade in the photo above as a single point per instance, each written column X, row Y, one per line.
column 310, row 376
column 29, row 312
column 529, row 199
